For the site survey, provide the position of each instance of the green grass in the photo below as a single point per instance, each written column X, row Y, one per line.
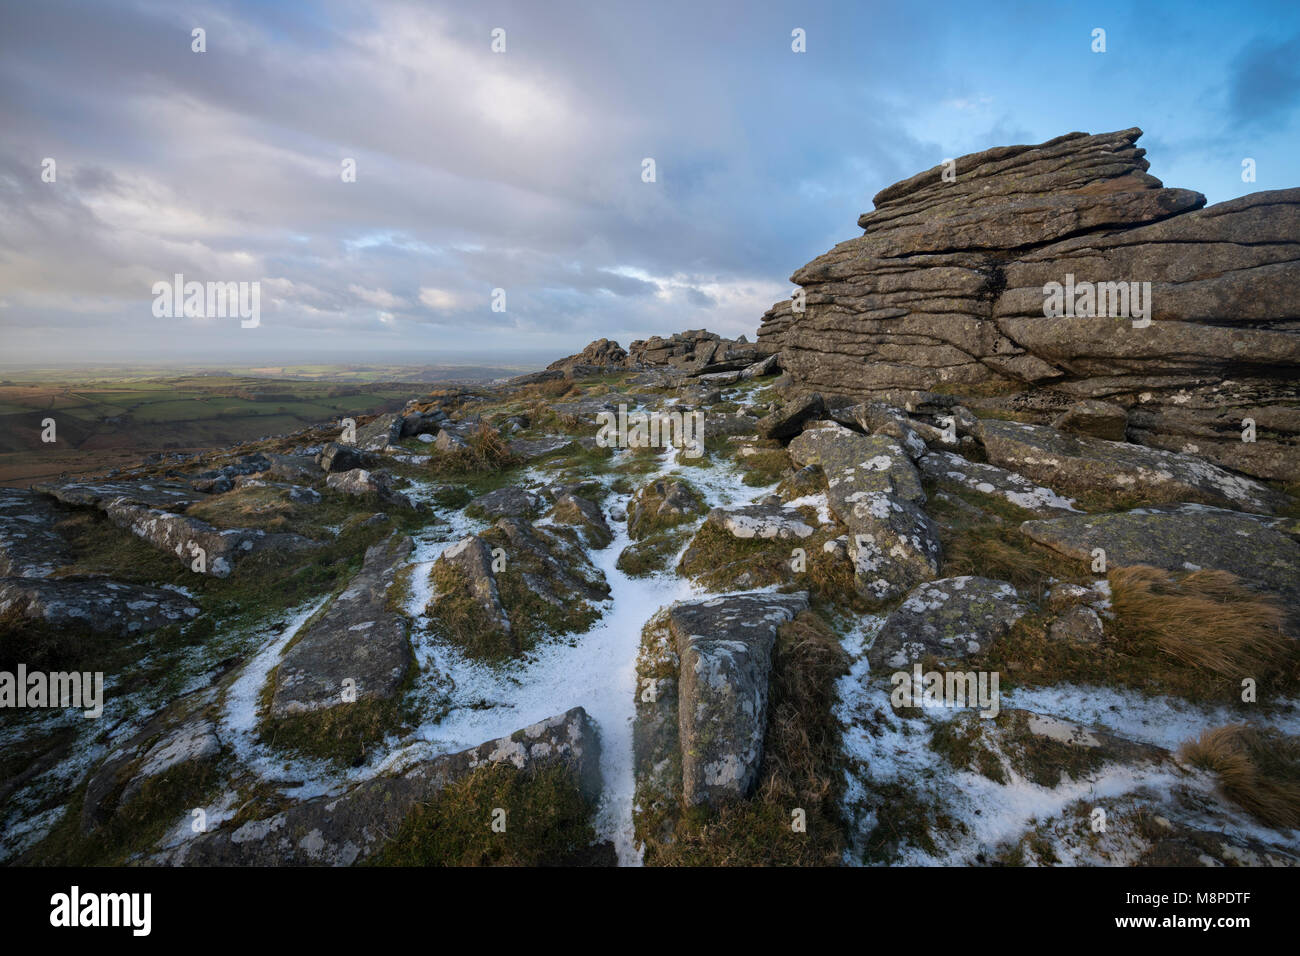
column 547, row 822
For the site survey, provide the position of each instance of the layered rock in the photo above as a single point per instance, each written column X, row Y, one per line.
column 946, row 289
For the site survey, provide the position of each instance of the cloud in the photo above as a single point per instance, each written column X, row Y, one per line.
column 1264, row 86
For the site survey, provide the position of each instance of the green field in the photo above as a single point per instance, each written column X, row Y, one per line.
column 104, row 423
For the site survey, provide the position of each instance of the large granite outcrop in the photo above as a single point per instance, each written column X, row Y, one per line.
column 945, row 290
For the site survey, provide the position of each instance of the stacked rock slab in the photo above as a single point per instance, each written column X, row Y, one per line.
column 945, row 291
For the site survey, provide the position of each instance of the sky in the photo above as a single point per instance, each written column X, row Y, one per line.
column 523, row 169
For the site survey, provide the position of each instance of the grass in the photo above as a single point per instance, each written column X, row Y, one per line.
column 801, row 770
column 973, row 742
column 765, row 467
column 459, row 617
column 485, row 451
column 344, row 734
column 644, row 517
column 1206, row 620
column 651, row 554
column 547, row 822
column 132, row 829
column 1195, row 636
column 1259, row 770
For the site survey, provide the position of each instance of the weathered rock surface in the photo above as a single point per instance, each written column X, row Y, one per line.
column 763, row 521
column 709, row 661
column 359, row 482
column 1181, row 537
column 167, row 495
column 1079, row 464
column 181, row 535
column 29, row 545
column 104, row 606
column 359, row 640
column 349, row 828
column 508, row 502
column 789, row 419
column 662, row 503
column 952, row 618
column 586, row 516
column 946, row 290
column 335, row 457
column 1094, row 419
column 995, row 482
column 875, row 490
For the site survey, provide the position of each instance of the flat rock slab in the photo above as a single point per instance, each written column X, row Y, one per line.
column 103, row 606
column 995, row 482
column 761, row 521
column 29, row 545
column 358, row 639
column 531, row 448
column 1182, row 537
column 165, row 495
column 1079, row 464
column 509, row 502
column 952, row 618
column 180, row 535
column 347, row 829
column 875, row 490
column 787, row 421
column 725, row 648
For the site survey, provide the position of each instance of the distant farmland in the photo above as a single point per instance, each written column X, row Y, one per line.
column 103, row 424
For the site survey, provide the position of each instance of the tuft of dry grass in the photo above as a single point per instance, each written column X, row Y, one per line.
column 485, row 451
column 1259, row 770
column 1208, row 620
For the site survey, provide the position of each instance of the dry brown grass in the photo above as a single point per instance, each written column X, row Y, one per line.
column 1208, row 620
column 1259, row 770
column 485, row 451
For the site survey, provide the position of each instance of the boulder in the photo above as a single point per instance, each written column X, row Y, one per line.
column 586, row 516
column 29, row 545
column 1181, row 537
column 359, row 639
column 789, row 419
column 948, row 286
column 359, row 483
column 709, row 662
column 875, row 490
column 764, row 521
column 185, row 537
column 336, row 458
column 508, row 502
column 952, row 619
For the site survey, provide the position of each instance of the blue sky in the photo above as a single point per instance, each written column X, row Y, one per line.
column 522, row 170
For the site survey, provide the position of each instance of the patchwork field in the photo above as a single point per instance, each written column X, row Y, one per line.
column 106, row 418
